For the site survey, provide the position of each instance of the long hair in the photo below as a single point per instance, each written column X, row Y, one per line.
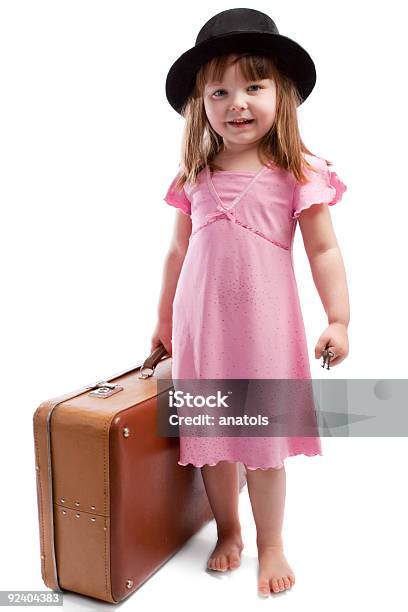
column 281, row 146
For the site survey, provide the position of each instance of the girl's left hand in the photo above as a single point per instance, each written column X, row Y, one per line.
column 335, row 339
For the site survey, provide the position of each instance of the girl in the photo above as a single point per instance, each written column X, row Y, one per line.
column 229, row 307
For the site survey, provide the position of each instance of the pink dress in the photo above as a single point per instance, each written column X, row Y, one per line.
column 236, row 310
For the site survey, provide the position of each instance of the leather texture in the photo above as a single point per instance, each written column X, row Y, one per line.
column 113, row 503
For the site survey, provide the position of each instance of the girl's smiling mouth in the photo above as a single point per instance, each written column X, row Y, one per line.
column 241, row 124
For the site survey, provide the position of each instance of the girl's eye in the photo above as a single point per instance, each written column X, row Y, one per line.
column 215, row 92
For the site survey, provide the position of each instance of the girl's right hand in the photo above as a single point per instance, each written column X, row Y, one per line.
column 162, row 335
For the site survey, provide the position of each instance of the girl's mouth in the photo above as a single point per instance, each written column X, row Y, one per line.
column 240, row 124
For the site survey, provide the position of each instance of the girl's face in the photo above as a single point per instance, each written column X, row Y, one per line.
column 235, row 98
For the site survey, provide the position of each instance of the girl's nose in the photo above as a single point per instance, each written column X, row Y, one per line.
column 238, row 102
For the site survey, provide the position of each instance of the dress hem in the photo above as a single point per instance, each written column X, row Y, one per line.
column 268, row 467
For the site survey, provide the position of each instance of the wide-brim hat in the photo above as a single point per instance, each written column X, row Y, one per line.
column 239, row 30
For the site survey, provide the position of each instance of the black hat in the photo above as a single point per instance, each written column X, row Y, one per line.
column 239, row 30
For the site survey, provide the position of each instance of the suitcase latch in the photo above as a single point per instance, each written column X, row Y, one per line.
column 104, row 389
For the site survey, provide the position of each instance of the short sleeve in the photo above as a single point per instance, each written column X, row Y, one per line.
column 178, row 198
column 324, row 187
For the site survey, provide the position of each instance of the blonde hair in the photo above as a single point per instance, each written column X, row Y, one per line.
column 281, row 145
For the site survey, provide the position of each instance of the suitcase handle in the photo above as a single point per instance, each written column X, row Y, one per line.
column 152, row 360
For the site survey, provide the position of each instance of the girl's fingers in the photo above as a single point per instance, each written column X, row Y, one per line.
column 319, row 351
column 335, row 361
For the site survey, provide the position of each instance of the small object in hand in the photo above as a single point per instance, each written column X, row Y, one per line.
column 327, row 355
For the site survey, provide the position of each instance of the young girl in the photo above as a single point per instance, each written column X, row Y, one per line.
column 229, row 307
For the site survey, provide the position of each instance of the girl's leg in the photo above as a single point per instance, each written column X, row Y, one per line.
column 267, row 490
column 222, row 486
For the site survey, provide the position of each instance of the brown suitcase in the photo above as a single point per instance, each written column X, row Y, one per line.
column 113, row 503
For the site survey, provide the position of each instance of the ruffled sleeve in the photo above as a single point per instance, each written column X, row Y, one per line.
column 178, row 198
column 324, row 187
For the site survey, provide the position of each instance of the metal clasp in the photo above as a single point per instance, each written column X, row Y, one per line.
column 104, row 389
column 145, row 372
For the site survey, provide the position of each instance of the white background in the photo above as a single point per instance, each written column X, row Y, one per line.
column 88, row 147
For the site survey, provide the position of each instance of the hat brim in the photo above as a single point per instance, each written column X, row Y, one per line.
column 291, row 59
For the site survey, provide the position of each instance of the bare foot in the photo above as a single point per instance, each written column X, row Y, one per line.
column 275, row 574
column 227, row 553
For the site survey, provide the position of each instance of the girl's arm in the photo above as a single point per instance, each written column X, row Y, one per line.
column 171, row 271
column 329, row 276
